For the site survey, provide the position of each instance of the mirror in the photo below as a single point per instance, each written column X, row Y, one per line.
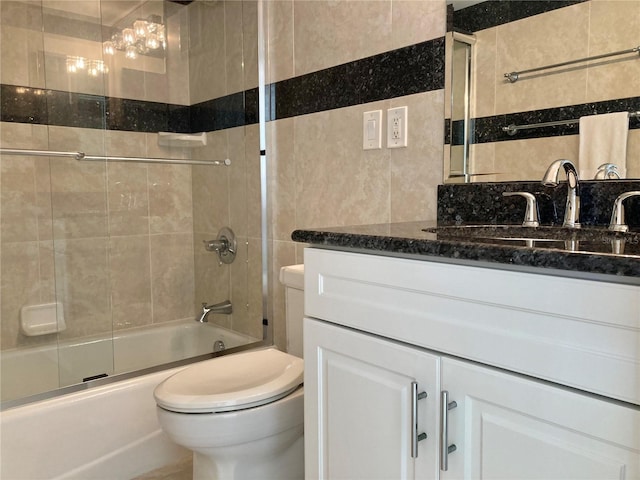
column 502, row 37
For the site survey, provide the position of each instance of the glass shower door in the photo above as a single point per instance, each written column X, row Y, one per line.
column 105, row 247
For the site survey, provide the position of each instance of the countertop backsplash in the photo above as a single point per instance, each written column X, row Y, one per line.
column 479, row 203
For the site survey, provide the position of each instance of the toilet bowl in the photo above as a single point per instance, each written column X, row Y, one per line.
column 241, row 414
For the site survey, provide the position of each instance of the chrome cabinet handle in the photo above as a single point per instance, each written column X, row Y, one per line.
column 445, row 448
column 415, row 437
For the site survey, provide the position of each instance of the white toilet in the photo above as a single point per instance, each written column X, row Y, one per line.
column 242, row 414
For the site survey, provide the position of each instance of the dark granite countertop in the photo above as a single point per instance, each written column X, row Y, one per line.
column 591, row 257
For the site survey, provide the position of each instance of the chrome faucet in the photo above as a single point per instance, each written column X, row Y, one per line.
column 224, row 308
column 572, row 208
column 617, row 223
column 607, row 171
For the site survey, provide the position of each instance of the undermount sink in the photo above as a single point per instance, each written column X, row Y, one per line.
column 591, row 239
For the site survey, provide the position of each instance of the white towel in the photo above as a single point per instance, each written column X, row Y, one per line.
column 603, row 139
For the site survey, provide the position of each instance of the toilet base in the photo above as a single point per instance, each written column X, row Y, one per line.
column 263, row 463
column 264, row 442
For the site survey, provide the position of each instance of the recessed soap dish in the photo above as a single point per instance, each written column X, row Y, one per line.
column 42, row 319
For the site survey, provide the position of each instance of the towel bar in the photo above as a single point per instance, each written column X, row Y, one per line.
column 513, row 129
column 514, row 76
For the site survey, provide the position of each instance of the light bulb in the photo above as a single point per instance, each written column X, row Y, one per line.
column 152, row 41
column 153, row 22
column 81, row 63
column 128, row 36
column 131, row 52
column 140, row 27
column 108, row 48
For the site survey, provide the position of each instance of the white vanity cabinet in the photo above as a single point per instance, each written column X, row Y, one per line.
column 360, row 419
column 501, row 345
column 510, row 427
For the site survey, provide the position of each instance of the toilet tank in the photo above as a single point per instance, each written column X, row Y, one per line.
column 292, row 277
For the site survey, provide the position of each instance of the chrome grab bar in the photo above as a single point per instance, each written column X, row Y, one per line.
column 81, row 156
column 41, row 153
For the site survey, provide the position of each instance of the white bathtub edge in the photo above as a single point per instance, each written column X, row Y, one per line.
column 108, row 432
column 146, row 454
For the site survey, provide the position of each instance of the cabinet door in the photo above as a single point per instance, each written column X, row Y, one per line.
column 358, row 406
column 511, row 427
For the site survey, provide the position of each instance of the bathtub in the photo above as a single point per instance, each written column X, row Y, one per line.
column 28, row 371
column 104, row 432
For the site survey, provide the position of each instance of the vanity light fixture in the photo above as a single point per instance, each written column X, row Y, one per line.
column 141, row 38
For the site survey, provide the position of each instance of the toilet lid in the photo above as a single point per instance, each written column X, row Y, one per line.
column 231, row 382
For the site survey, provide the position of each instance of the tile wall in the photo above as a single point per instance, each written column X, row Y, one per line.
column 320, row 176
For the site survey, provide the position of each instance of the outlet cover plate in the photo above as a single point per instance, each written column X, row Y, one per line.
column 397, row 127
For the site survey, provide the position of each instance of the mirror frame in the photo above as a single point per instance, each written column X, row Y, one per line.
column 459, row 129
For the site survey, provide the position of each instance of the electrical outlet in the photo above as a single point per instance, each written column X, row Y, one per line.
column 372, row 130
column 397, row 127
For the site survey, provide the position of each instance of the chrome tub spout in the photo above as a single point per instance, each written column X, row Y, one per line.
column 224, row 308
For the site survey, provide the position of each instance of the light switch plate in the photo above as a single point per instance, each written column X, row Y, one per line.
column 372, row 130
column 397, row 127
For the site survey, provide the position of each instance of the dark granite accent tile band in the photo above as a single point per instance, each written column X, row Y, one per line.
column 53, row 107
column 76, row 110
column 448, row 131
column 492, row 13
column 489, row 129
column 233, row 110
column 23, row 104
column 140, row 116
column 414, row 69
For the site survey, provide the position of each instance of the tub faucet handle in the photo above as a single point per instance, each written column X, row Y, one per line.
column 225, row 245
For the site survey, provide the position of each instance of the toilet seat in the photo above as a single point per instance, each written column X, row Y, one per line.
column 231, row 382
